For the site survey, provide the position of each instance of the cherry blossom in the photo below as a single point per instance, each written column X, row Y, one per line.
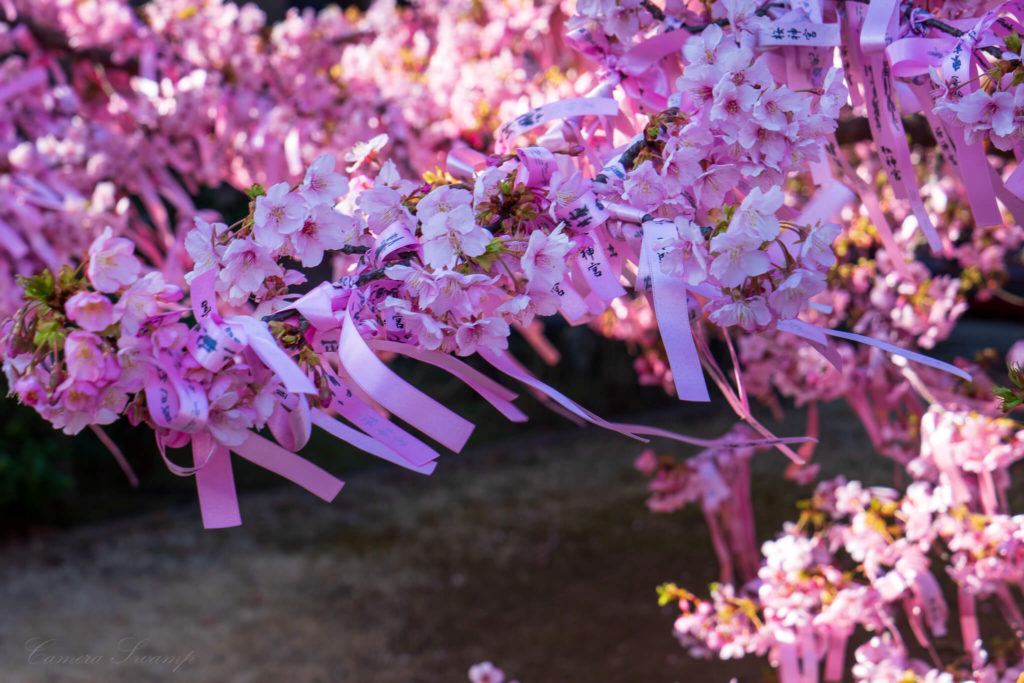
column 112, row 262
column 280, row 212
column 543, row 262
column 90, row 310
column 448, row 234
column 321, row 184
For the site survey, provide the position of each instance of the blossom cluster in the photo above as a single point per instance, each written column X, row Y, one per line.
column 86, row 350
column 297, row 223
column 118, row 117
column 991, row 111
column 719, row 480
column 855, row 557
column 734, row 127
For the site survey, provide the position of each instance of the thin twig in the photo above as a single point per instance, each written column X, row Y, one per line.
column 655, row 11
column 380, row 273
column 118, row 455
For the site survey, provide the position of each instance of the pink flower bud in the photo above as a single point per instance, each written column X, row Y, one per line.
column 84, row 356
column 90, row 310
column 30, row 391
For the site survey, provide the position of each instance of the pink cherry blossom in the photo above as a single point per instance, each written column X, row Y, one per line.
column 383, row 206
column 737, row 259
column 278, row 213
column 645, row 187
column 201, row 245
column 792, row 294
column 245, row 266
column 750, row 314
column 714, row 183
column 485, row 672
column 755, row 215
column 491, row 333
column 324, row 229
column 702, row 48
column 321, row 184
column 30, row 390
column 426, row 330
column 816, row 249
column 543, row 262
column 443, row 199
column 143, row 299
column 90, row 310
column 83, row 354
column 983, row 111
column 447, row 234
column 112, row 262
column 363, row 152
column 687, row 255
column 732, row 101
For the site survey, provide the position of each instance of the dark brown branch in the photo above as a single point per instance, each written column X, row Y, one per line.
column 653, row 9
column 53, row 39
column 380, row 273
column 940, row 25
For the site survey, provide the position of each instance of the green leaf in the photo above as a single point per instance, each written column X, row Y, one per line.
column 666, row 593
column 1008, row 398
column 1016, row 374
column 1013, row 42
column 67, row 276
column 46, row 332
column 255, row 191
column 39, row 287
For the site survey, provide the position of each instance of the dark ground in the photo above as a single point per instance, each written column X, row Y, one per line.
column 537, row 554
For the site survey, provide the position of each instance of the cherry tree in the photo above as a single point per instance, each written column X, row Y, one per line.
column 821, row 187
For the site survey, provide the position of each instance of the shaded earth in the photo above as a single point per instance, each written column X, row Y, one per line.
column 537, row 554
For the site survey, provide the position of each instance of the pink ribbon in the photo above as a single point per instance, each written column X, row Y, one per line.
column 909, row 355
column 492, row 392
column 798, row 33
column 788, row 657
column 396, row 237
column 463, row 162
column 259, row 339
column 350, row 406
column 816, row 337
column 597, row 270
column 12, row 242
column 504, row 362
column 644, row 55
column 577, row 106
column 570, row 303
column 316, row 306
column 292, row 467
column 537, row 165
column 366, row 443
column 215, row 483
column 214, row 345
column 969, row 625
column 672, row 311
column 398, row 396
column 290, row 420
column 173, row 402
column 835, row 658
